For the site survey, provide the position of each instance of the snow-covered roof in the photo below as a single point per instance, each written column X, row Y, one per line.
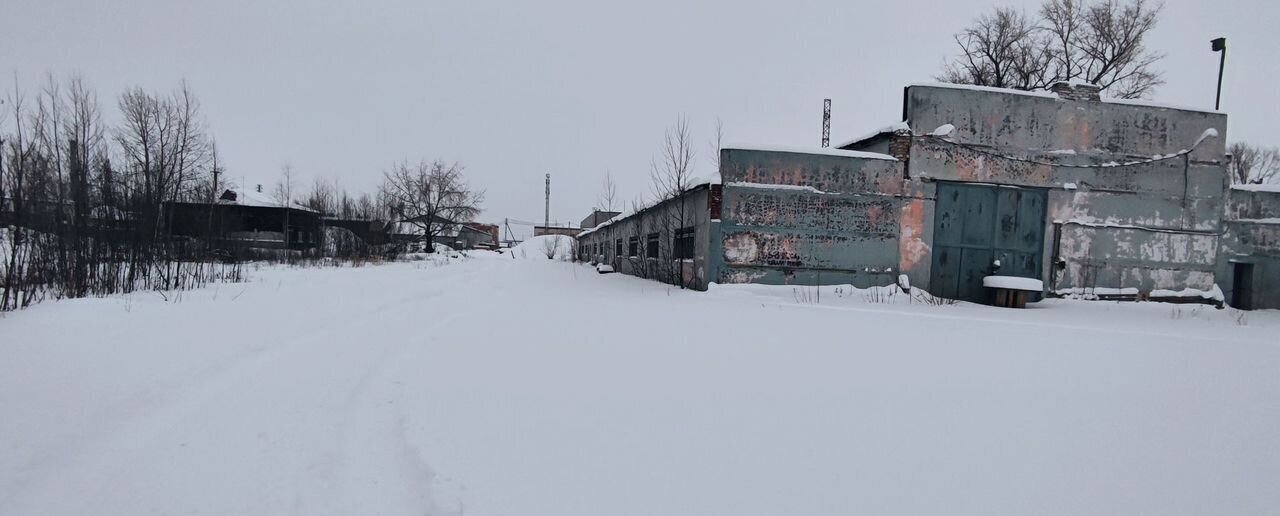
column 768, row 186
column 811, row 150
column 255, row 198
column 404, row 228
column 1162, row 105
column 1051, row 95
column 989, row 89
column 1268, row 187
column 624, row 214
column 713, row 179
column 891, row 128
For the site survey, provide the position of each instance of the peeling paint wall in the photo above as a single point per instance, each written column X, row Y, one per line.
column 808, row 219
column 1137, row 258
column 1252, row 237
column 915, row 230
column 1126, row 218
column 1020, row 121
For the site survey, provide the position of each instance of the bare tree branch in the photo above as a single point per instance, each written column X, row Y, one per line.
column 1252, row 164
column 1101, row 43
column 608, row 193
column 432, row 196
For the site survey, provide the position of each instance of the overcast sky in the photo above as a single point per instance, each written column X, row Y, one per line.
column 515, row 90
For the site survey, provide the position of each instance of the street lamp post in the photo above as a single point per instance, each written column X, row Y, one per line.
column 1219, row 45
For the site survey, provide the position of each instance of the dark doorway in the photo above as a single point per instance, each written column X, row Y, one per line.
column 1242, row 286
column 980, row 230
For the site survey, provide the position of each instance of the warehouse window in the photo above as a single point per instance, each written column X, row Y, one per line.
column 682, row 246
column 633, row 247
column 652, row 245
column 617, row 248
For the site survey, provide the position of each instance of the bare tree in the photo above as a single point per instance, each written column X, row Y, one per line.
column 550, row 245
column 1004, row 49
column 370, row 207
column 608, row 193
column 83, row 226
column 1252, row 164
column 1115, row 57
column 323, row 197
column 672, row 176
column 1064, row 21
column 283, row 192
column 432, row 196
column 640, row 258
column 164, row 146
column 1100, row 43
column 16, row 293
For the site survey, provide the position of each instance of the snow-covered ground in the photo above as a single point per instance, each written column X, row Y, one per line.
column 545, row 247
column 493, row 386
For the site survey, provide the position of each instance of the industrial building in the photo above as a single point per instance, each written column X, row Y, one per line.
column 597, row 217
column 246, row 219
column 669, row 241
column 1094, row 197
column 1249, row 250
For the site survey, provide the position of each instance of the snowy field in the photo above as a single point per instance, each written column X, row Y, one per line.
column 493, row 386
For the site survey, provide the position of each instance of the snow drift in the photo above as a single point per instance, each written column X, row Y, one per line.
column 554, row 247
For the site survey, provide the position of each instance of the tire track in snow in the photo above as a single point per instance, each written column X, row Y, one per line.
column 377, row 460
column 218, row 394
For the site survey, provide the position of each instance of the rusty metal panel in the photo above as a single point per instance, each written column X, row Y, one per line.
column 978, row 226
column 982, row 230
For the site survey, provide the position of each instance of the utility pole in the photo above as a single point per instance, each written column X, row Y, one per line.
column 213, row 194
column 1219, row 45
column 546, row 221
column 213, row 198
column 826, row 123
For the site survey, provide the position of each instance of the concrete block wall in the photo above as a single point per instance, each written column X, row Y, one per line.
column 808, row 217
column 1124, row 217
column 1030, row 120
column 1252, row 236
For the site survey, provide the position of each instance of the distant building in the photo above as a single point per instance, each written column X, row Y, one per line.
column 246, row 219
column 556, row 230
column 597, row 218
column 668, row 241
column 404, row 232
column 474, row 235
column 456, row 235
column 470, row 236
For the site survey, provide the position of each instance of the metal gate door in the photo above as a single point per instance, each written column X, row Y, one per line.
column 980, row 230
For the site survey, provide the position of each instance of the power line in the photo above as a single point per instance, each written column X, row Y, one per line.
column 530, row 223
column 1112, row 164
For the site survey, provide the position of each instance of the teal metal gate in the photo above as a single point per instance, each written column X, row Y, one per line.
column 980, row 230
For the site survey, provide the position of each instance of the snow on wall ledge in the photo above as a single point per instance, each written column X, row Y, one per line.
column 809, row 150
column 1041, row 120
